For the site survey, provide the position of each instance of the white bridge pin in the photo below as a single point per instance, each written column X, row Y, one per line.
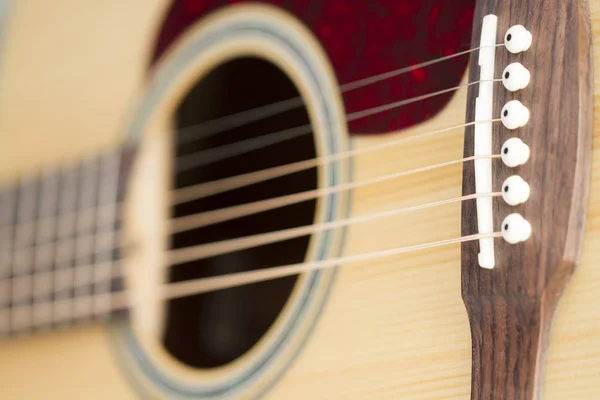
column 515, row 229
column 515, row 190
column 514, row 152
column 515, row 77
column 514, row 115
column 517, row 39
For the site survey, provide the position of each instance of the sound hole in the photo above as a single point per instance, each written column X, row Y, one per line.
column 213, row 329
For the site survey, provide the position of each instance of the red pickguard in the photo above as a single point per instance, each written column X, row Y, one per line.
column 369, row 37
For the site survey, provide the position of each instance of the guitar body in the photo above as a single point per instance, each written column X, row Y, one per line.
column 75, row 79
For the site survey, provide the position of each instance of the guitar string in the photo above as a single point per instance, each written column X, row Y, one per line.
column 122, row 299
column 188, row 254
column 90, row 268
column 215, row 283
column 385, row 107
column 183, row 195
column 196, row 253
column 216, row 154
column 208, row 127
column 200, row 191
column 55, row 219
column 218, row 125
column 184, row 255
column 213, row 249
column 247, row 209
column 206, row 218
column 204, row 285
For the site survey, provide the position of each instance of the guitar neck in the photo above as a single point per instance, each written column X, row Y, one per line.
column 59, row 244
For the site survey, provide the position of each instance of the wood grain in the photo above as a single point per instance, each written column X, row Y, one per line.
column 511, row 307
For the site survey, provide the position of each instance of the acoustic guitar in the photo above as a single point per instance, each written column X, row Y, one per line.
column 219, row 199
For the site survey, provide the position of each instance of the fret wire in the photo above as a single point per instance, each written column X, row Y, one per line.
column 7, row 217
column 84, row 244
column 58, row 238
column 77, row 304
column 108, row 194
column 118, row 284
column 51, row 274
column 24, row 235
column 62, row 218
column 25, row 232
column 63, row 277
column 105, row 244
column 48, row 207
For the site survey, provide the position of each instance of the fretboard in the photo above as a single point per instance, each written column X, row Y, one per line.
column 60, row 244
